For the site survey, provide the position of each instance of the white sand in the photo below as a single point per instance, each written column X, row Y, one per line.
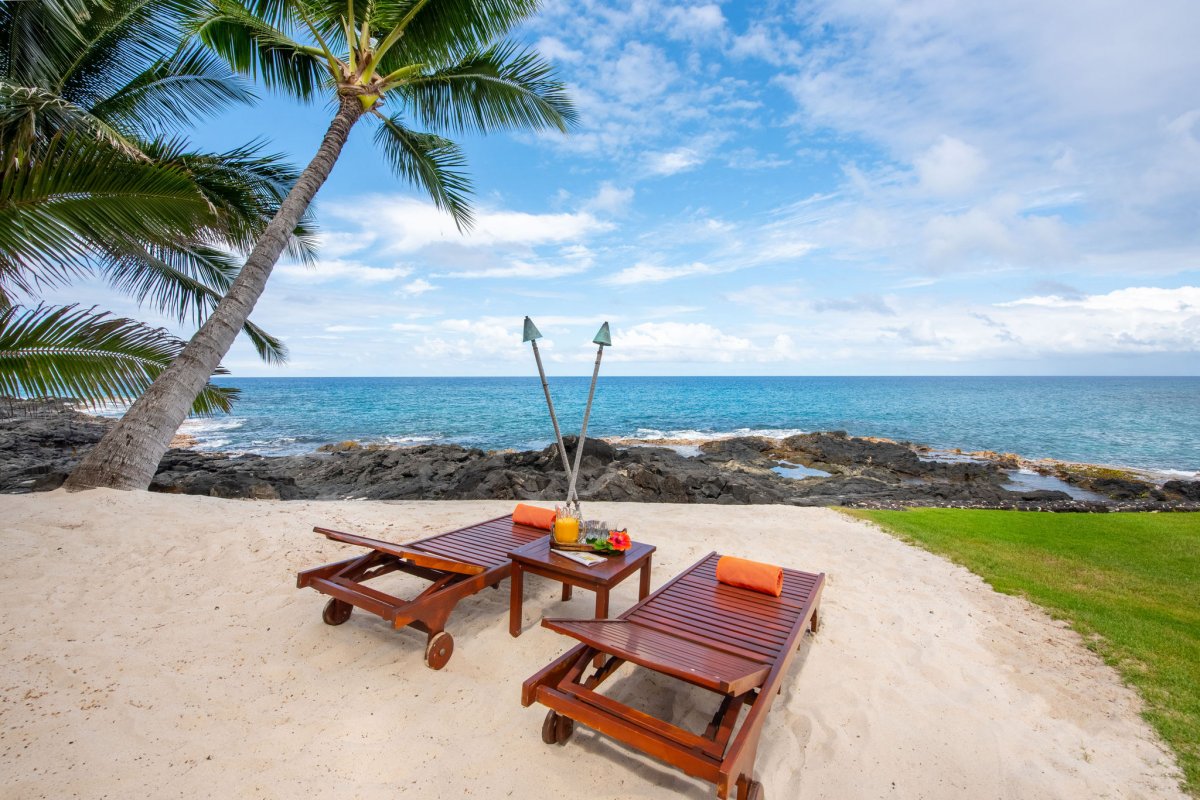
column 156, row 646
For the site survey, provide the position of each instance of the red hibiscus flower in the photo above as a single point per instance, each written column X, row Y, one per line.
column 618, row 540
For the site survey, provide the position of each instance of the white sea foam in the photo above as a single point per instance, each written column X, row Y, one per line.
column 689, row 435
column 109, row 409
column 1178, row 474
column 412, row 439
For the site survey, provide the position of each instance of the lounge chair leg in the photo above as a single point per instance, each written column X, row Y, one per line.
column 439, row 649
column 336, row 612
column 749, row 790
column 815, row 624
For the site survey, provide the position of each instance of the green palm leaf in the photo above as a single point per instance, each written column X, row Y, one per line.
column 442, row 32
column 53, row 211
column 173, row 91
column 430, row 162
column 253, row 46
column 503, row 87
column 89, row 357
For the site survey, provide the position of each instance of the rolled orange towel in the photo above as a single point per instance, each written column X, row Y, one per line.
column 533, row 516
column 753, row 575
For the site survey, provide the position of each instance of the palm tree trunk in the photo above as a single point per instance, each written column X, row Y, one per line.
column 128, row 455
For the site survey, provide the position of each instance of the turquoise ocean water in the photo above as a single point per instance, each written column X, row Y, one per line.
column 1151, row 423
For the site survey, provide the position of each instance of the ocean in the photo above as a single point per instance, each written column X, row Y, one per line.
column 1149, row 423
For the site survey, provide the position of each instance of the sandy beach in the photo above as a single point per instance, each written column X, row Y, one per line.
column 156, row 646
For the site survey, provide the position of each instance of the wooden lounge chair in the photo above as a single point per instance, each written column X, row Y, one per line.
column 458, row 564
column 734, row 642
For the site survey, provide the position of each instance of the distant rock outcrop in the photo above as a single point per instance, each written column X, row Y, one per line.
column 41, row 442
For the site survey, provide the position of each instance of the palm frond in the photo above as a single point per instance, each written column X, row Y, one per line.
column 441, row 32
column 31, row 116
column 187, row 282
column 35, row 38
column 90, row 357
column 502, row 87
column 430, row 162
column 55, row 211
column 174, row 91
column 245, row 188
column 252, row 46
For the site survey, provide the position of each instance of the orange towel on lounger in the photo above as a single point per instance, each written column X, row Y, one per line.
column 754, row 575
column 533, row 516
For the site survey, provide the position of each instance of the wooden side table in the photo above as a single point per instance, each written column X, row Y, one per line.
column 539, row 558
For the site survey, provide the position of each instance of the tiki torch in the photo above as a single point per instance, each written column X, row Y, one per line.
column 532, row 334
column 603, row 339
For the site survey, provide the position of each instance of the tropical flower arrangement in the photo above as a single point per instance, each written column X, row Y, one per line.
column 614, row 542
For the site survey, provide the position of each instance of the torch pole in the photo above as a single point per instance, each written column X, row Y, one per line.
column 562, row 448
column 571, row 495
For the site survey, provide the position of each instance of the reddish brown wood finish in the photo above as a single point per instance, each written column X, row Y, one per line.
column 457, row 564
column 732, row 641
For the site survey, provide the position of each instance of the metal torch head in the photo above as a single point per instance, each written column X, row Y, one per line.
column 531, row 331
column 603, row 337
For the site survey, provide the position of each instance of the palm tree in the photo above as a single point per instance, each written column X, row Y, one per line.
column 89, row 181
column 441, row 62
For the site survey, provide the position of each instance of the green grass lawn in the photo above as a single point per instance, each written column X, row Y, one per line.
column 1129, row 583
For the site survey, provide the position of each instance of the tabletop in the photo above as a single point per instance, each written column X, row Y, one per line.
column 539, row 555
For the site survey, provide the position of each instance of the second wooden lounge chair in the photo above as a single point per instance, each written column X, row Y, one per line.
column 734, row 642
column 458, row 564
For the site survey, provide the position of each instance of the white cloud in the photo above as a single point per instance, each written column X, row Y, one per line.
column 406, row 225
column 553, row 48
column 695, row 22
column 336, row 269
column 1137, row 299
column 417, row 287
column 652, row 273
column 609, row 199
column 679, row 342
column 950, row 167
column 570, row 260
column 640, row 72
column 673, row 161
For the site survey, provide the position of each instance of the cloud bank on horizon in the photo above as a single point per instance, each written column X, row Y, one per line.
column 886, row 187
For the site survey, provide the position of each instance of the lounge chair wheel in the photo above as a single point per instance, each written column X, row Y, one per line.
column 754, row 791
column 557, row 729
column 550, row 728
column 336, row 612
column 439, row 650
column 566, row 726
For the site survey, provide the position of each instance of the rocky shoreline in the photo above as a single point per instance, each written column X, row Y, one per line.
column 40, row 442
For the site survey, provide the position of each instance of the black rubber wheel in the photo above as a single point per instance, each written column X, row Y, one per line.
column 439, row 650
column 336, row 612
column 755, row 791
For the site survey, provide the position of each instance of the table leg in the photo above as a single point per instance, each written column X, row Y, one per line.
column 644, row 586
column 566, row 591
column 601, row 613
column 515, row 600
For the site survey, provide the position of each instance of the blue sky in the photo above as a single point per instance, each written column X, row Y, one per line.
column 823, row 188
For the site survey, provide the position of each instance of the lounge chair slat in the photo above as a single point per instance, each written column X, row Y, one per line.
column 724, row 618
column 783, row 606
column 716, row 644
column 703, row 634
column 691, row 661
